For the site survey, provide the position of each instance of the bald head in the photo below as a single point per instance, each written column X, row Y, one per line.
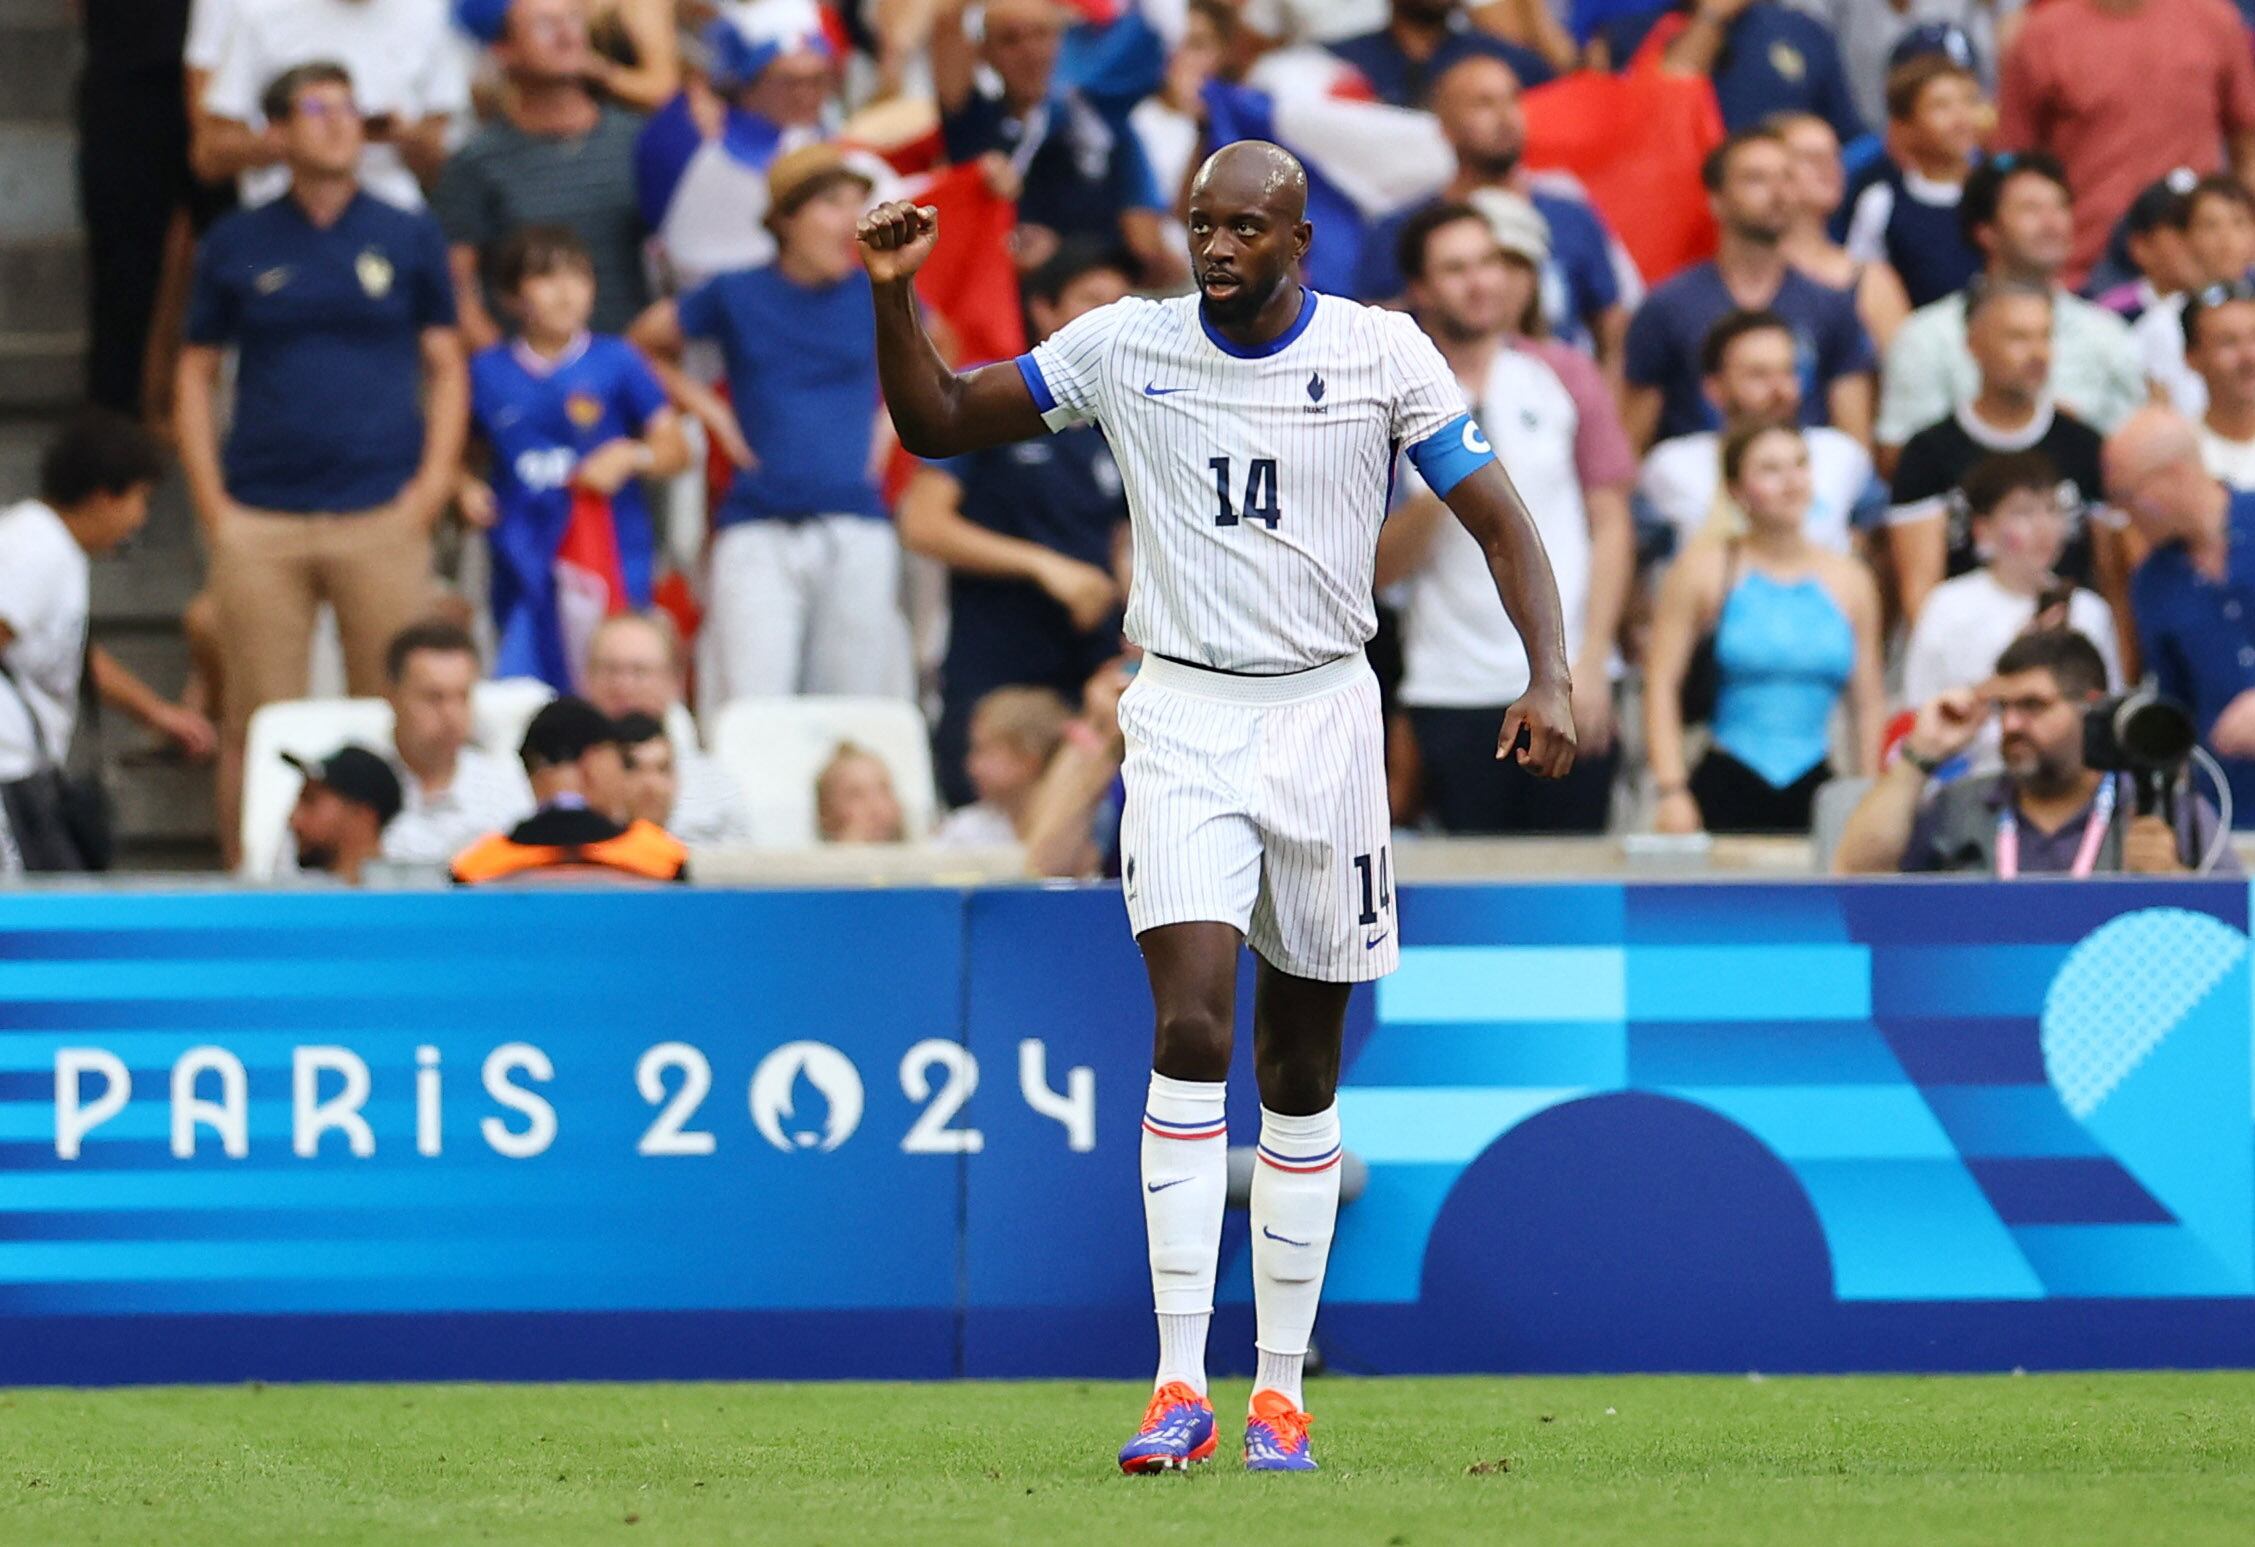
column 2154, row 473
column 1255, row 172
column 1248, row 220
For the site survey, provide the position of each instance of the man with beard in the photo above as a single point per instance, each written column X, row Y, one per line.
column 347, row 800
column 1255, row 425
column 2046, row 813
column 1748, row 179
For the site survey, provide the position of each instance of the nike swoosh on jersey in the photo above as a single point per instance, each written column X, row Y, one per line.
column 1151, row 389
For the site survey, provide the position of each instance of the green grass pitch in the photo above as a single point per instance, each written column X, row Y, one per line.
column 2150, row 1458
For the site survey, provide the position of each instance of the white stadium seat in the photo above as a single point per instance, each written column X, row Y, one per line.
column 312, row 728
column 501, row 708
column 775, row 746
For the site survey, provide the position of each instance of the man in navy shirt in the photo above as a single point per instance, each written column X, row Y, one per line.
column 1423, row 39
column 804, row 580
column 2194, row 595
column 1762, row 57
column 1748, row 180
column 1477, row 102
column 351, row 403
column 1026, row 532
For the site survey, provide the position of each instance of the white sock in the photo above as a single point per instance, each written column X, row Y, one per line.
column 1185, row 1185
column 1295, row 1208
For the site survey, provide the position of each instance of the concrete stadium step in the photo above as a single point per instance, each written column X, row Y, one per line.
column 39, row 61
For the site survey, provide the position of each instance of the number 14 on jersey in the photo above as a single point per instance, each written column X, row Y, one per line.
column 1260, row 492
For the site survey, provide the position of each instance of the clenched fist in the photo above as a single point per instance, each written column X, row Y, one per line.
column 896, row 237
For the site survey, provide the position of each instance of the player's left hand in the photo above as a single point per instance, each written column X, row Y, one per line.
column 1545, row 713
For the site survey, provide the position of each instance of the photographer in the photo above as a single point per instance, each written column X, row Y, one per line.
column 2048, row 812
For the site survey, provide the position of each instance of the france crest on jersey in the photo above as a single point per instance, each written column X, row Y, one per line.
column 563, row 557
column 1257, row 478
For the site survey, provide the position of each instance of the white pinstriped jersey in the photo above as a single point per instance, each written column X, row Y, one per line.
column 1256, row 480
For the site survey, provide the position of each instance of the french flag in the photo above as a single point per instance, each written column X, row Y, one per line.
column 590, row 581
column 1366, row 161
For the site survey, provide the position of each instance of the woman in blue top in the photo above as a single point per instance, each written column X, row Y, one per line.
column 1795, row 630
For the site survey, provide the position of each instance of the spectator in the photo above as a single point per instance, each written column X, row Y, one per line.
column 1073, row 172
column 1026, row 533
column 2010, row 333
column 1873, row 41
column 2121, row 91
column 2019, row 531
column 2220, row 345
column 652, row 785
column 635, row 54
column 1477, row 102
column 634, row 666
column 571, row 423
column 350, row 400
column 399, row 61
column 94, row 483
column 347, row 801
column 854, row 800
column 2045, row 813
column 2194, row 596
column 1907, row 214
column 580, row 829
column 1014, row 734
column 554, row 156
column 2153, row 247
column 1818, row 184
column 1763, row 59
column 765, row 85
column 2015, row 209
column 1748, row 179
column 1170, row 123
column 450, row 790
column 1403, row 61
column 1474, row 280
column 2219, row 228
column 1072, row 828
column 1748, row 373
column 1794, row 629
column 805, row 574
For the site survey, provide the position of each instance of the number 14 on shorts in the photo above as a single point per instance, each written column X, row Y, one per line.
column 1375, row 876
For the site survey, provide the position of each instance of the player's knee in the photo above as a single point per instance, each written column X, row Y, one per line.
column 1191, row 1042
column 1297, row 1083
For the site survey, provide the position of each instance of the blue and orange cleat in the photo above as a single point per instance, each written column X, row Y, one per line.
column 1276, row 1435
column 1178, row 1428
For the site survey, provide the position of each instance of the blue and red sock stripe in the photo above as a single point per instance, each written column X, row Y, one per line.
column 1213, row 1128
column 1282, row 1162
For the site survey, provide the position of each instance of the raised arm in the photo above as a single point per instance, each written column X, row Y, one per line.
column 1491, row 510
column 938, row 412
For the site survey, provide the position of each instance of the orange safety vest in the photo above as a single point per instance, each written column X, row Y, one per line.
column 645, row 850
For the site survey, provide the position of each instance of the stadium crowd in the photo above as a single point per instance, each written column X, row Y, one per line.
column 1840, row 348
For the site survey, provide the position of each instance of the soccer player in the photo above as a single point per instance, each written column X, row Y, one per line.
column 573, row 422
column 1255, row 424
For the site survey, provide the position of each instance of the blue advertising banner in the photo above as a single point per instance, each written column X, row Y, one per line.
column 705, row 1133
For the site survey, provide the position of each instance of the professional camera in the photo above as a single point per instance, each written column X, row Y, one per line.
column 2138, row 732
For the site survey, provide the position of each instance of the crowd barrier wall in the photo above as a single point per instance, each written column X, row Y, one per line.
column 704, row 1133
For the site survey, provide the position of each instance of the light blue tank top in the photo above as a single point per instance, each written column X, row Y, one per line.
column 1783, row 654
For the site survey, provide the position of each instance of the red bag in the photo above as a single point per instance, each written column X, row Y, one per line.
column 1635, row 141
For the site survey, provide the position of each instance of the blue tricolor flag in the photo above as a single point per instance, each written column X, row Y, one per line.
column 1366, row 161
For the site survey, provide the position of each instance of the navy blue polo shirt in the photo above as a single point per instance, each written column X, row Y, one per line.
column 1062, row 492
column 1668, row 329
column 1405, row 82
column 329, row 322
column 802, row 377
column 1773, row 60
column 2198, row 635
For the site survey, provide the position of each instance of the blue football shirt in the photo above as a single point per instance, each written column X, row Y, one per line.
column 1666, row 334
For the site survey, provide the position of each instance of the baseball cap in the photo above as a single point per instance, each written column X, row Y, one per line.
column 799, row 175
column 1517, row 224
column 564, row 730
column 1946, row 38
column 358, row 775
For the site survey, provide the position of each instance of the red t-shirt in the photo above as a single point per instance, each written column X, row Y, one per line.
column 2123, row 96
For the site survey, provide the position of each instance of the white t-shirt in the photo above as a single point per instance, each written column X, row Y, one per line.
column 1256, row 481
column 1683, row 475
column 209, row 22
column 488, row 794
column 1459, row 649
column 401, row 55
column 44, row 602
column 1965, row 626
column 2231, row 460
column 2160, row 336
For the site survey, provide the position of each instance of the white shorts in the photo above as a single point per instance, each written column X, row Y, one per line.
column 1261, row 802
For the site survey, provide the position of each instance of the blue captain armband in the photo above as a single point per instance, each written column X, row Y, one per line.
column 1451, row 454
